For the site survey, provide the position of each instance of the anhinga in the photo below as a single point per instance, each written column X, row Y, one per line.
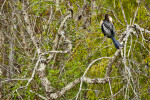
column 109, row 30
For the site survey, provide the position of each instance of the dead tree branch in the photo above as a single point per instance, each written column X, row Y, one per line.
column 61, row 92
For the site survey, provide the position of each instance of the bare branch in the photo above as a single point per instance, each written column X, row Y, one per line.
column 123, row 12
column 111, row 62
column 75, row 82
column 26, row 79
column 30, row 30
column 33, row 73
column 61, row 32
column 41, row 71
column 2, row 7
column 135, row 13
column 138, row 28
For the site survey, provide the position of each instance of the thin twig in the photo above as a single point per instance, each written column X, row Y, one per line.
column 33, row 73
column 123, row 13
column 135, row 14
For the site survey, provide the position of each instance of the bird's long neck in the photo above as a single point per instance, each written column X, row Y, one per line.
column 108, row 19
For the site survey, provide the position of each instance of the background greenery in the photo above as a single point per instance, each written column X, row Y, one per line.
column 88, row 43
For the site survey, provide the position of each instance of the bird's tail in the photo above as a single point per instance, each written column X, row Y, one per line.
column 116, row 43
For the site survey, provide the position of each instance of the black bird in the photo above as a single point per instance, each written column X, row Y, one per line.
column 109, row 30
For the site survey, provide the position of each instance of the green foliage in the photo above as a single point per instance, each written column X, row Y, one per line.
column 88, row 44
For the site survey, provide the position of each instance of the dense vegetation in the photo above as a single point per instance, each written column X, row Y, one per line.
column 54, row 49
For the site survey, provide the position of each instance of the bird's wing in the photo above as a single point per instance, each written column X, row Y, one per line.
column 109, row 26
column 106, row 29
column 113, row 30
